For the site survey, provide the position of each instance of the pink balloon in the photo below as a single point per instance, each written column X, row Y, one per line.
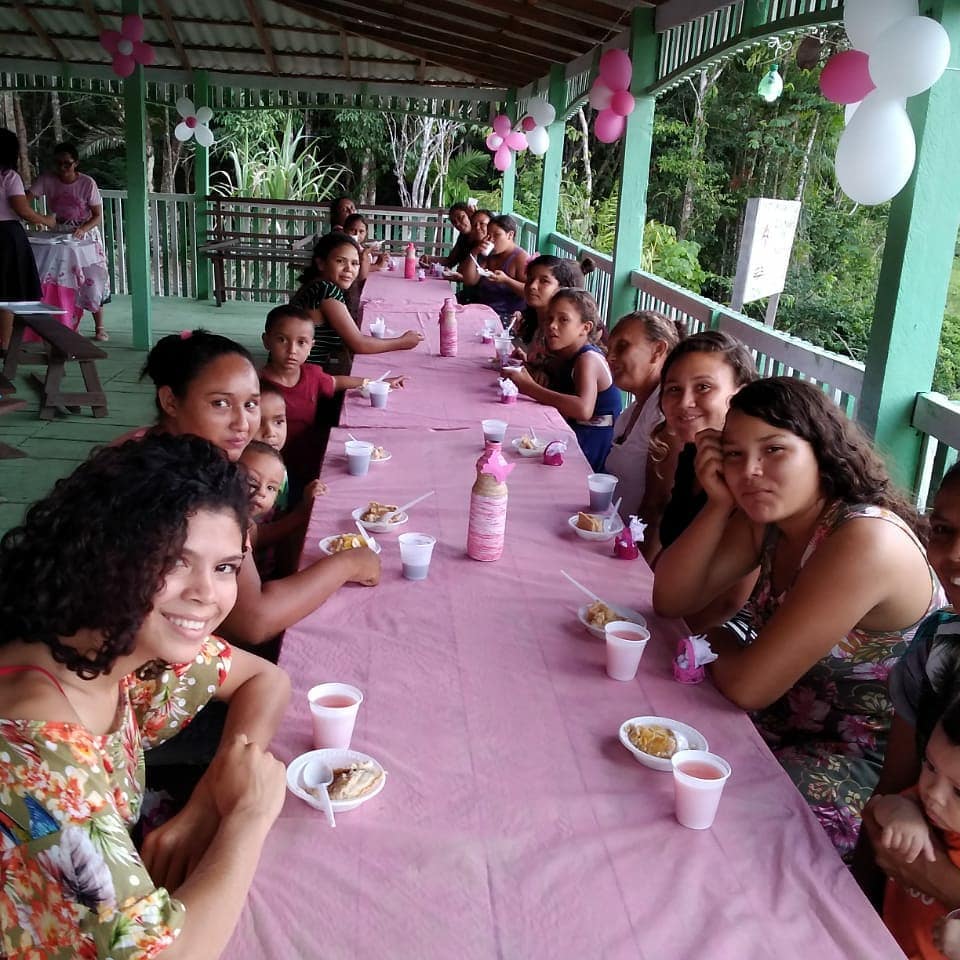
column 846, row 77
column 622, row 103
column 608, row 126
column 503, row 158
column 501, row 124
column 516, row 140
column 494, row 141
column 528, row 123
column 616, row 70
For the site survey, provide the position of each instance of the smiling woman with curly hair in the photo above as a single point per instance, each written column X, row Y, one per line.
column 110, row 591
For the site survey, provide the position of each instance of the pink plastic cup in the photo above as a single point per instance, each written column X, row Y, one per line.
column 698, row 781
column 333, row 707
column 626, row 642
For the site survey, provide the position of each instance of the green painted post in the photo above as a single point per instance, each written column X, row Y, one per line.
column 915, row 273
column 201, row 188
column 508, row 184
column 756, row 15
column 137, row 206
column 552, row 162
column 635, row 165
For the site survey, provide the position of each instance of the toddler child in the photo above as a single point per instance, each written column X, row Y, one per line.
column 266, row 474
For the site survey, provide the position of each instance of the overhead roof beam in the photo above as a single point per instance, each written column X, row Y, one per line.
column 172, row 35
column 93, row 16
column 38, row 30
column 675, row 12
column 569, row 23
column 262, row 36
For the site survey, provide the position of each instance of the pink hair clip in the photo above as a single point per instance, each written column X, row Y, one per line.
column 186, row 334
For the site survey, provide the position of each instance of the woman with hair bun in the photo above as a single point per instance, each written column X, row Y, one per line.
column 794, row 488
column 111, row 592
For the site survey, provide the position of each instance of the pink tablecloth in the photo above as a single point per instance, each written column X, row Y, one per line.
column 73, row 273
column 513, row 824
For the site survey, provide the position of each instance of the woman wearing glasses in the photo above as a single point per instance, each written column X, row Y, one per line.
column 74, row 199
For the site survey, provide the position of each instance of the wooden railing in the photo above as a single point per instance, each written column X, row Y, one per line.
column 777, row 353
column 528, row 233
column 938, row 419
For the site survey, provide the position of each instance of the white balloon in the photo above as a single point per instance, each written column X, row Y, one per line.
column 204, row 114
column 185, row 107
column 848, row 111
column 877, row 151
column 865, row 20
column 538, row 141
column 909, row 57
column 600, row 95
column 183, row 132
column 541, row 110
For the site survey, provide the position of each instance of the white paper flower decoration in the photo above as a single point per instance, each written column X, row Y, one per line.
column 195, row 122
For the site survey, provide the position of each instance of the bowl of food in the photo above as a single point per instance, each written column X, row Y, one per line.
column 380, row 455
column 357, row 778
column 593, row 526
column 371, row 517
column 528, row 446
column 654, row 740
column 595, row 616
column 345, row 541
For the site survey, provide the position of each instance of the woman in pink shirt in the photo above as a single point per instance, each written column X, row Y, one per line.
column 74, row 199
column 18, row 271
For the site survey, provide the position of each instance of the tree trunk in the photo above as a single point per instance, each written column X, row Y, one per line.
column 807, row 154
column 57, row 116
column 368, row 180
column 706, row 80
column 24, row 168
column 585, row 144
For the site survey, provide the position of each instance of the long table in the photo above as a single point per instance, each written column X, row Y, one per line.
column 513, row 824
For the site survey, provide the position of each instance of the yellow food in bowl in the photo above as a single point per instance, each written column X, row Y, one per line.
column 653, row 739
column 590, row 521
column 599, row 614
column 346, row 541
column 377, row 511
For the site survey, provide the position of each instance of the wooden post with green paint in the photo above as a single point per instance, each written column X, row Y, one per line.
column 915, row 273
column 756, row 15
column 137, row 206
column 201, row 188
column 508, row 184
column 552, row 161
column 635, row 165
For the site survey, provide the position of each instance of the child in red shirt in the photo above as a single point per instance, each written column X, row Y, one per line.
column 288, row 337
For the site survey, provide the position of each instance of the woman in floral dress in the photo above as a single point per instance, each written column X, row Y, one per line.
column 109, row 594
column 795, row 490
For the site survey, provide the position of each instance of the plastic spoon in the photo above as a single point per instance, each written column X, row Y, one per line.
column 367, row 539
column 318, row 776
column 383, row 376
column 386, row 517
column 581, row 587
column 608, row 519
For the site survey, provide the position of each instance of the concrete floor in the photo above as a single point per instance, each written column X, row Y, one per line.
column 55, row 447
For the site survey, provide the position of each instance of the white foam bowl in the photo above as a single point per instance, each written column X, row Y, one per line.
column 376, row 526
column 624, row 613
column 536, row 451
column 597, row 537
column 688, row 738
column 326, row 541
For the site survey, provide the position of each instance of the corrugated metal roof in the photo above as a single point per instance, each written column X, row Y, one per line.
column 474, row 44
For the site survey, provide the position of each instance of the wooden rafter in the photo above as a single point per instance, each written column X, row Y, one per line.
column 172, row 35
column 38, row 30
column 262, row 36
column 93, row 16
column 675, row 12
column 569, row 23
column 507, row 73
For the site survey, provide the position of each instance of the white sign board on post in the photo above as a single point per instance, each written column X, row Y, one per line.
column 769, row 227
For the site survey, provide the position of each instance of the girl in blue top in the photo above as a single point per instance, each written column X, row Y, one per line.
column 580, row 384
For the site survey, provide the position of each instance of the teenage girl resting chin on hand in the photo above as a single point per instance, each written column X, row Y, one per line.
column 580, row 385
column 111, row 591
column 794, row 488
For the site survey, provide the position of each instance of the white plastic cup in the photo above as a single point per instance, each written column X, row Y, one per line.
column 504, row 347
column 626, row 642
column 333, row 709
column 698, row 781
column 493, row 430
column 601, row 487
column 486, row 248
column 416, row 550
column 378, row 390
column 378, row 328
column 358, row 457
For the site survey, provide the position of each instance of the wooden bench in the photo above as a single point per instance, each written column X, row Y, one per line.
column 63, row 345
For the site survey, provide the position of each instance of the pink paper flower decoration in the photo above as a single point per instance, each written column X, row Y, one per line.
column 127, row 47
